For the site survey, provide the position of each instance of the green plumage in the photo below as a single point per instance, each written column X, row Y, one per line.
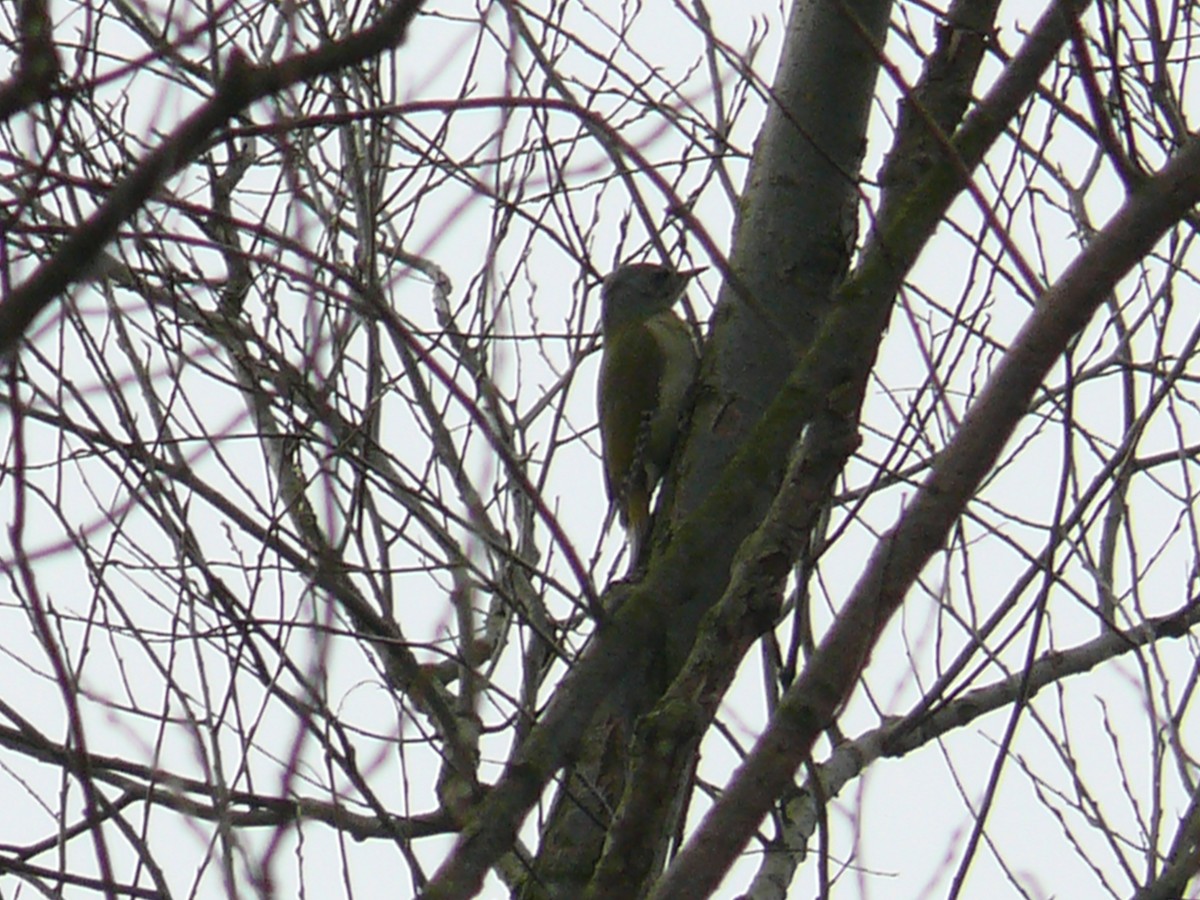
column 647, row 368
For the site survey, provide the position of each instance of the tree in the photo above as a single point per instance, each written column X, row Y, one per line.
column 301, row 482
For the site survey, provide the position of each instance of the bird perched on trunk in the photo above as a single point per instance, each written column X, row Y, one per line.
column 647, row 368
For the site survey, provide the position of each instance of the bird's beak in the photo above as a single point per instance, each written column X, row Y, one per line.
column 691, row 273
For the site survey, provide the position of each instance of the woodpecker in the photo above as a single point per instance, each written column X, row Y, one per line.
column 646, row 370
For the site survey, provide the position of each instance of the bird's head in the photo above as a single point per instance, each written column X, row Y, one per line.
column 637, row 291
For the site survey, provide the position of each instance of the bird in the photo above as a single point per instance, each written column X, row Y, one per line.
column 647, row 367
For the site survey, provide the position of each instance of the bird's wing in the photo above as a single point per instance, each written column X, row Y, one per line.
column 630, row 372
